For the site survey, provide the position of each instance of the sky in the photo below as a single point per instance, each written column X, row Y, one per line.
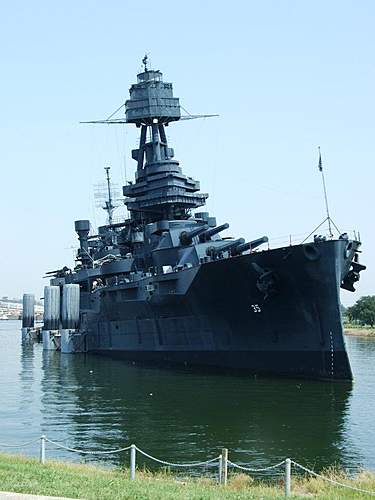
column 284, row 76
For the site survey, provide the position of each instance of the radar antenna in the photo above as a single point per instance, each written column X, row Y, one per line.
column 144, row 61
column 107, row 196
column 109, row 204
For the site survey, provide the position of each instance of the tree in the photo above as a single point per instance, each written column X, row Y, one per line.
column 363, row 311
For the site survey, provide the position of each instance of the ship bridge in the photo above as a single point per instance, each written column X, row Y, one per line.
column 161, row 190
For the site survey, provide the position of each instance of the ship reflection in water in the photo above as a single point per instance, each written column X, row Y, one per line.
column 92, row 402
column 185, row 416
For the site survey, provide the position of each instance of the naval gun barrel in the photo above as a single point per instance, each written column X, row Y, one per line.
column 53, row 272
column 213, row 230
column 186, row 237
column 250, row 245
column 229, row 245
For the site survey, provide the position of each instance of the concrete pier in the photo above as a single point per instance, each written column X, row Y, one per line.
column 72, row 341
column 51, row 308
column 48, row 337
column 51, row 323
column 25, row 333
column 70, row 307
column 28, row 316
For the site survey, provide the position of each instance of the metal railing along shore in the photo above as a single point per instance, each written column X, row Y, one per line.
column 220, row 462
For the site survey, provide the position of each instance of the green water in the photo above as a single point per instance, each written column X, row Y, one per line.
column 90, row 402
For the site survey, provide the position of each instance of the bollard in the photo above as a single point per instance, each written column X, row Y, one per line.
column 220, row 468
column 132, row 462
column 224, row 466
column 42, row 457
column 287, row 477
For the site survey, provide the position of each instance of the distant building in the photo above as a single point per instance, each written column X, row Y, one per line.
column 12, row 309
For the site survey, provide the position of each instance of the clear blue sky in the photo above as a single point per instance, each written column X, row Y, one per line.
column 285, row 77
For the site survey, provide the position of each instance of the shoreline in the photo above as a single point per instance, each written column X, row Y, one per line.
column 359, row 331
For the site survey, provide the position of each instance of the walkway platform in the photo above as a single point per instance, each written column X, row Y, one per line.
column 23, row 496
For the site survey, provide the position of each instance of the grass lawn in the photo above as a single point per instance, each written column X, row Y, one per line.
column 24, row 475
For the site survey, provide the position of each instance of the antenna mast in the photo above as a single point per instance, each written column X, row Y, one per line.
column 109, row 204
column 328, row 217
column 107, row 196
column 320, row 165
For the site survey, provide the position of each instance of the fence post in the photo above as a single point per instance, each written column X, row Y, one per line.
column 287, row 477
column 220, row 468
column 224, row 466
column 132, row 462
column 42, row 455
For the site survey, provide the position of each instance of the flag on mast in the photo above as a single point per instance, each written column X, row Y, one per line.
column 320, row 165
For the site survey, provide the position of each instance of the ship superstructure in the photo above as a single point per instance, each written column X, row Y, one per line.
column 163, row 286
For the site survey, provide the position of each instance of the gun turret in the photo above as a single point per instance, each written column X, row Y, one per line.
column 250, row 245
column 186, row 237
column 229, row 245
column 58, row 273
column 206, row 235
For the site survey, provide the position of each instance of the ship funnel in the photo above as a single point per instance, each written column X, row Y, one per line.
column 82, row 228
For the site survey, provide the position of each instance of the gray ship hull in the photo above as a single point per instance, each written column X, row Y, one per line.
column 275, row 312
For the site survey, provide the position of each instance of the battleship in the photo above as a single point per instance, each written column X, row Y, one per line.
column 163, row 286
